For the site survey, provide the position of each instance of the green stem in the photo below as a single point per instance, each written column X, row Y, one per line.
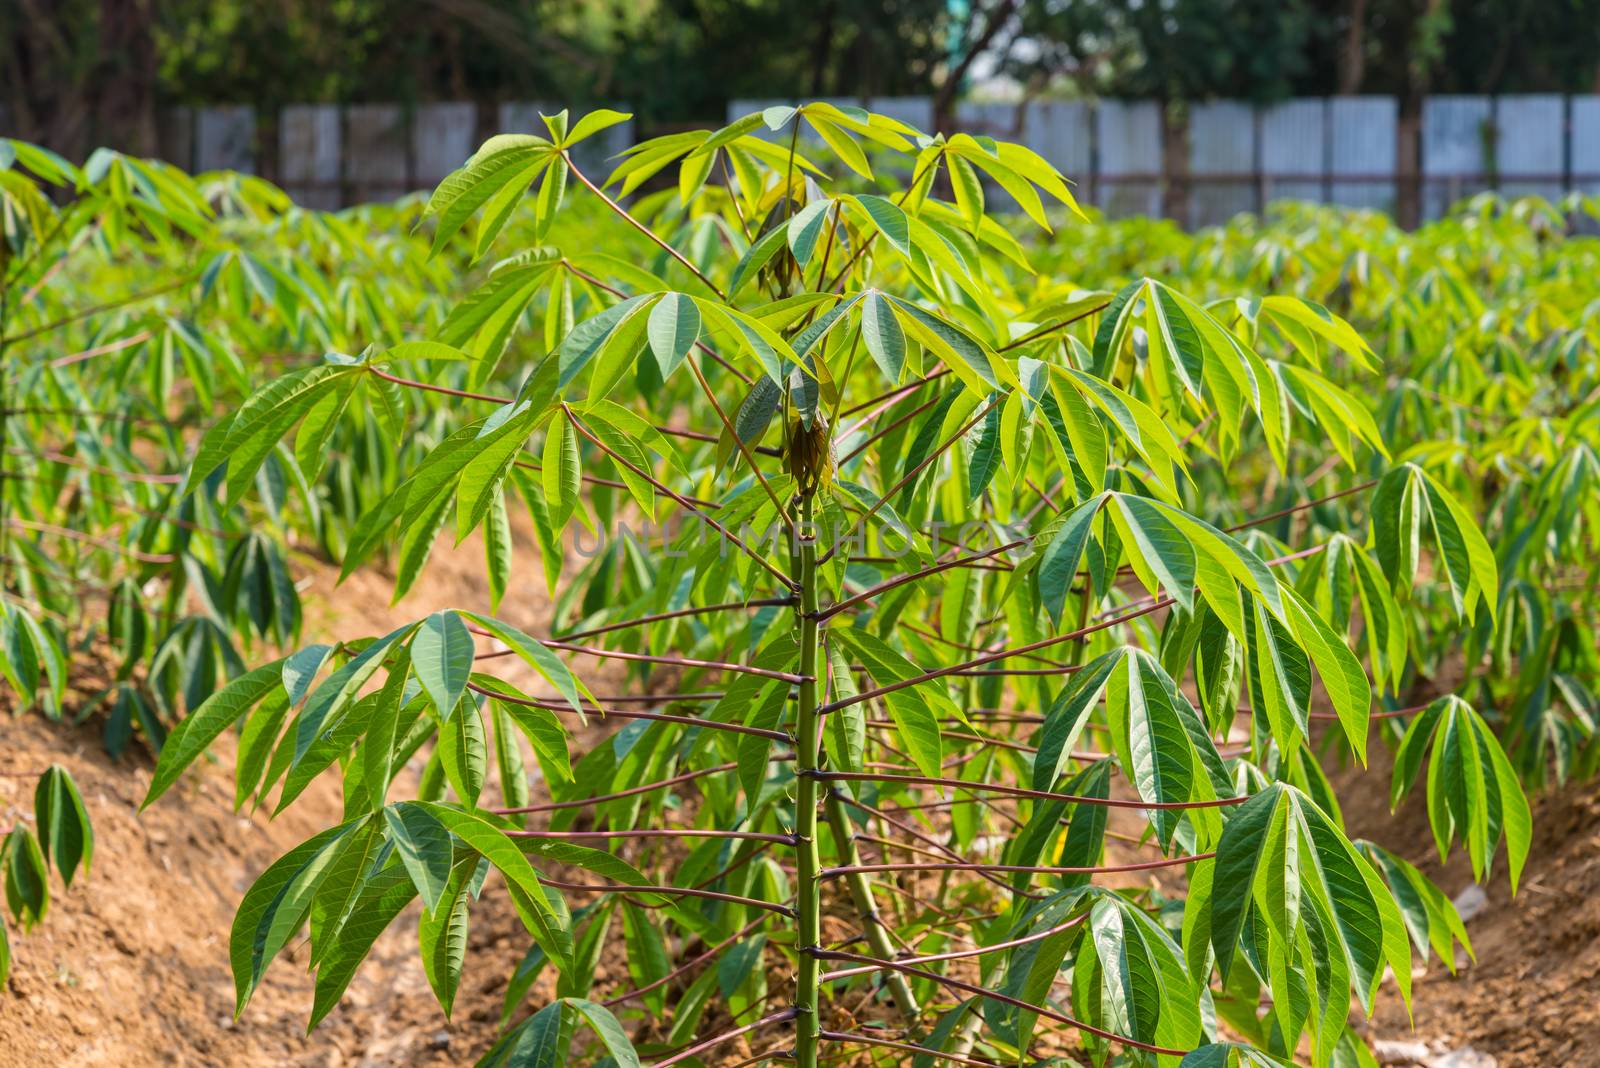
column 867, row 906
column 809, row 886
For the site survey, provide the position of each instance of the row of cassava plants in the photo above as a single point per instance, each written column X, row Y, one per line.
column 1491, row 317
column 128, row 292
column 934, row 614
column 131, row 295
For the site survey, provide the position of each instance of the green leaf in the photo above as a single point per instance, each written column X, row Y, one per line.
column 328, row 700
column 1062, row 555
column 441, row 656
column 916, row 710
column 27, row 878
column 674, row 328
column 1340, row 672
column 846, row 727
column 63, row 822
column 537, row 656
column 1239, row 857
column 1160, row 554
column 542, row 1041
column 547, row 736
column 888, row 219
column 610, row 1031
column 497, row 549
column 1165, row 749
column 423, row 844
column 464, row 753
column 804, row 229
column 1067, row 716
column 589, row 337
column 274, row 908
column 383, row 896
column 202, row 726
column 500, row 163
column 550, row 928
column 562, row 475
column 956, row 349
column 341, row 886
column 885, row 340
column 491, row 458
column 442, row 934
column 592, row 123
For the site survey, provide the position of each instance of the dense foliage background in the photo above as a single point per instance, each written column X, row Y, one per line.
column 81, row 73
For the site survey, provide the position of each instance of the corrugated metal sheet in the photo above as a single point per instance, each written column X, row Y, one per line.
column 309, row 153
column 1361, row 136
column 1294, row 150
column 1129, row 139
column 442, row 137
column 225, row 139
column 1222, row 161
column 1530, row 146
column 1457, row 150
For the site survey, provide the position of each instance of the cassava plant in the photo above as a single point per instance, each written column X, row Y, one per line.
column 954, row 729
column 128, row 291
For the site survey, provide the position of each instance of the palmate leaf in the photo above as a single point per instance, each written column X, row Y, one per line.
column 274, row 908
column 1406, row 503
column 1164, row 749
column 27, row 878
column 1145, row 990
column 1429, row 914
column 1473, row 791
column 1253, row 870
column 383, row 896
column 65, row 833
column 1135, row 421
column 545, row 918
column 1295, row 312
column 329, row 700
column 244, row 441
column 339, row 888
column 509, row 160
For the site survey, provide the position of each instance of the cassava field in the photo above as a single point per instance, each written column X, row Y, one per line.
column 808, row 595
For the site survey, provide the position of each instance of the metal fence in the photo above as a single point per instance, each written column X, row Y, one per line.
column 1235, row 156
column 329, row 156
column 1227, row 157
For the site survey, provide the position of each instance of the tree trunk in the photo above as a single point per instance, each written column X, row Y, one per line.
column 1175, row 162
column 1352, row 51
column 944, row 100
column 124, row 85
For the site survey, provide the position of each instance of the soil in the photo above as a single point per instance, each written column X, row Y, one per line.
column 130, row 966
column 1532, row 1000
